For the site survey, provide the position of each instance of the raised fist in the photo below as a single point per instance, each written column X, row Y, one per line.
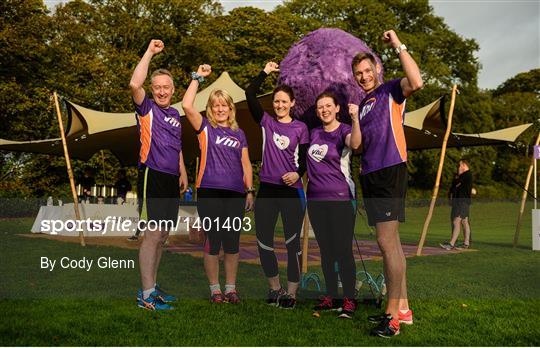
column 390, row 37
column 271, row 67
column 156, row 46
column 204, row 70
column 353, row 112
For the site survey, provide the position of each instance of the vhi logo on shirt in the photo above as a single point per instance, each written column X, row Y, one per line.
column 317, row 152
column 281, row 141
column 228, row 141
column 174, row 122
column 368, row 106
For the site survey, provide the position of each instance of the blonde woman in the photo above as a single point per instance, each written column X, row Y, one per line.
column 224, row 183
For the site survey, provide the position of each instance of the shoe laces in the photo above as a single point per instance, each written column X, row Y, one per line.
column 390, row 322
column 232, row 294
column 276, row 293
column 326, row 301
column 394, row 324
column 217, row 297
column 348, row 305
column 406, row 314
column 155, row 297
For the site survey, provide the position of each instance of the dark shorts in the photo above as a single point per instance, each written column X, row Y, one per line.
column 384, row 194
column 460, row 208
column 158, row 195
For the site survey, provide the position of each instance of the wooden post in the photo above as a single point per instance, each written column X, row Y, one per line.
column 68, row 165
column 103, row 165
column 439, row 172
column 524, row 196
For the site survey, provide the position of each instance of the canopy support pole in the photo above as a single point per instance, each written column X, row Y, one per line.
column 68, row 165
column 439, row 172
column 524, row 196
column 305, row 238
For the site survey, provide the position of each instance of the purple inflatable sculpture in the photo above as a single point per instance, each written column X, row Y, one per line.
column 321, row 62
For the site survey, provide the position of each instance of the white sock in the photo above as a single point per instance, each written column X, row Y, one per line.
column 146, row 293
column 215, row 288
column 404, row 311
column 229, row 288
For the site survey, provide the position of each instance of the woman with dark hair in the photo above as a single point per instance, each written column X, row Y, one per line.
column 285, row 141
column 331, row 196
column 224, row 183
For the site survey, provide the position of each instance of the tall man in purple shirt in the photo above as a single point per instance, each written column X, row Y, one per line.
column 162, row 174
column 384, row 171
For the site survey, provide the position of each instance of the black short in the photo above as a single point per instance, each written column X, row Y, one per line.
column 158, row 195
column 384, row 194
column 460, row 208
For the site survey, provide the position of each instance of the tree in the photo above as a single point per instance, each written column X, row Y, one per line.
column 87, row 50
column 24, row 59
column 241, row 42
column 516, row 101
column 526, row 82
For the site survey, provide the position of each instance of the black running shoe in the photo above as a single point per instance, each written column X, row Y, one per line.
column 287, row 302
column 377, row 318
column 348, row 308
column 274, row 295
column 387, row 328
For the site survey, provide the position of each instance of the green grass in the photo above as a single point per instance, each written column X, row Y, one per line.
column 489, row 297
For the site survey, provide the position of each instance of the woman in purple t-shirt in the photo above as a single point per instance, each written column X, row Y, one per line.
column 224, row 174
column 285, row 142
column 331, row 193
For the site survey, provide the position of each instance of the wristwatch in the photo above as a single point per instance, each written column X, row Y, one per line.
column 250, row 190
column 195, row 76
column 400, row 48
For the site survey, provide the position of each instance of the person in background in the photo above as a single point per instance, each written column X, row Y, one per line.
column 122, row 185
column 460, row 196
column 87, row 182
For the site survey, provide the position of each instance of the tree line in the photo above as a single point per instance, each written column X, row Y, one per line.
column 87, row 50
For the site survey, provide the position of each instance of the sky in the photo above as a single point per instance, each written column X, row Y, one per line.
column 508, row 32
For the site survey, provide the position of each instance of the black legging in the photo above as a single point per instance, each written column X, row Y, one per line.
column 220, row 204
column 290, row 202
column 333, row 224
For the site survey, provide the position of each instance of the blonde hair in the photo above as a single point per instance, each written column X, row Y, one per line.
column 220, row 94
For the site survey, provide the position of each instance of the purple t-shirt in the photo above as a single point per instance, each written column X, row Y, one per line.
column 281, row 143
column 329, row 165
column 381, row 121
column 221, row 157
column 160, row 135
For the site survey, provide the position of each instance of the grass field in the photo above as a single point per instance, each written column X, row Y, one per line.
column 488, row 297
